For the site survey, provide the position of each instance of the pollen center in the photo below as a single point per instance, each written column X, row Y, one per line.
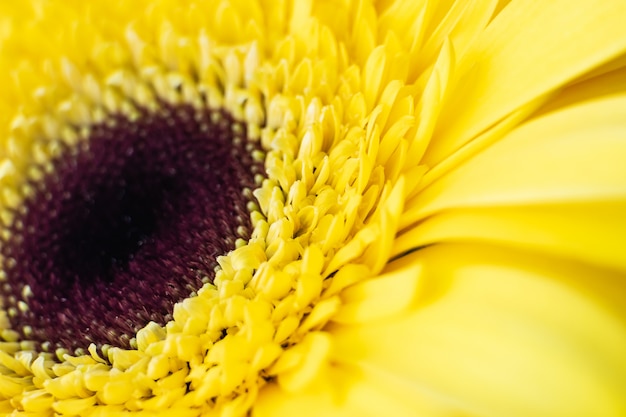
column 127, row 223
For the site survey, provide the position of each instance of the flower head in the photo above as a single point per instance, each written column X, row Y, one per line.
column 327, row 208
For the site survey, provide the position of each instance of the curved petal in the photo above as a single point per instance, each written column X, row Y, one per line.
column 574, row 155
column 593, row 233
column 505, row 68
column 611, row 83
column 503, row 334
column 348, row 391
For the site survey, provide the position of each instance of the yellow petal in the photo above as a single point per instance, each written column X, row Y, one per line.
column 574, row 155
column 463, row 22
column 504, row 334
column 349, row 392
column 274, row 402
column 612, row 83
column 382, row 296
column 529, row 49
column 594, row 233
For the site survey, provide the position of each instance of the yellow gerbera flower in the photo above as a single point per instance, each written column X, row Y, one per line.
column 313, row 208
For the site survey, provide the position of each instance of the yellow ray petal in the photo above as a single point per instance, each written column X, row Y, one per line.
column 504, row 334
column 462, row 23
column 612, row 83
column 578, row 154
column 348, row 391
column 521, row 56
column 398, row 283
column 318, row 401
column 594, row 232
column 609, row 66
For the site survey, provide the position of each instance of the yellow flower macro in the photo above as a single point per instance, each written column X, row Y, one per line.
column 324, row 208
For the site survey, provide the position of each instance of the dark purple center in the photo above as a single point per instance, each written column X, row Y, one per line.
column 128, row 223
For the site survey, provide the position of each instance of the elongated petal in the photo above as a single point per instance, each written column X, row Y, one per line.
column 575, row 155
column 612, row 83
column 530, row 49
column 594, row 233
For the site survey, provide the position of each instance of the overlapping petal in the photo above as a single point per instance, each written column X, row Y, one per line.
column 505, row 68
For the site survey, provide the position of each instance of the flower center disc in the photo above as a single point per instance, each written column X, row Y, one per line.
column 128, row 223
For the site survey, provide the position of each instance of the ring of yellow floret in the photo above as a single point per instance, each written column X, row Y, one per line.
column 324, row 220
